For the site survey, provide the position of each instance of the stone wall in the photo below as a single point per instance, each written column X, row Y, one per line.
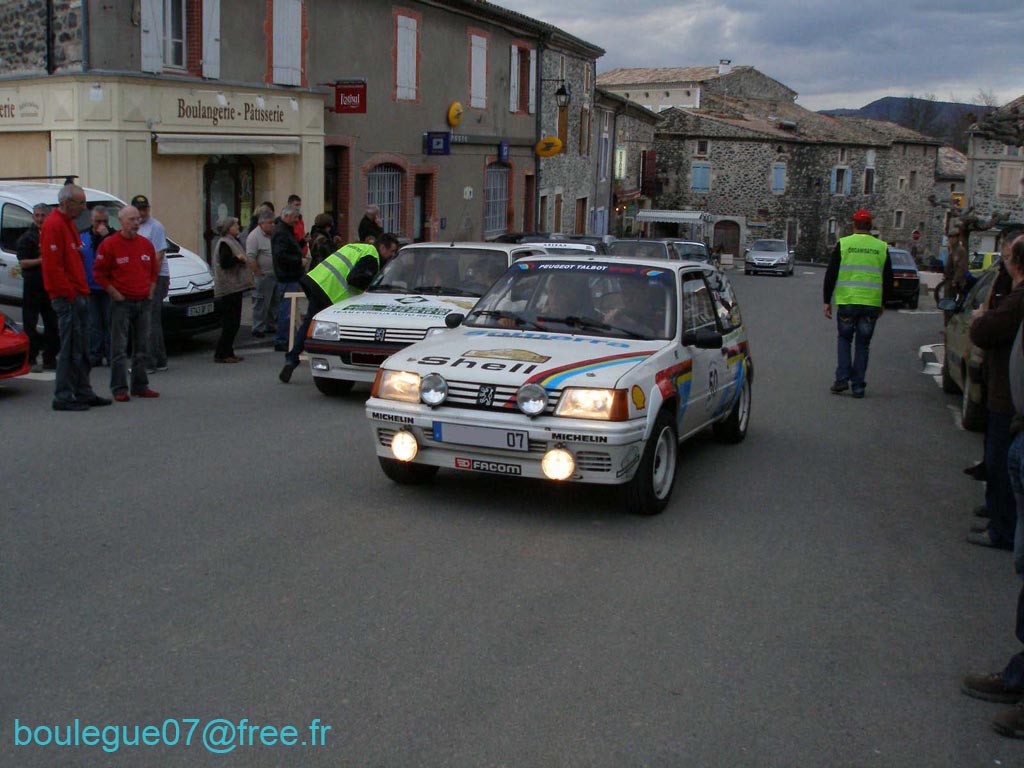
column 985, row 157
column 749, row 84
column 23, row 50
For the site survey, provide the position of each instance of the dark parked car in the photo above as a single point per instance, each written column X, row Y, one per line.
column 906, row 282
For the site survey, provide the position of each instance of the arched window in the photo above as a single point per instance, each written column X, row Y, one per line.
column 496, row 199
column 384, row 189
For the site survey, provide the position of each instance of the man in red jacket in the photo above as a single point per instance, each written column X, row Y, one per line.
column 127, row 269
column 64, row 279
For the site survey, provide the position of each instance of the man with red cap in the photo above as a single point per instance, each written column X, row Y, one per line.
column 859, row 281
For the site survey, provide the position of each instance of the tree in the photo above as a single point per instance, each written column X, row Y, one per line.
column 922, row 114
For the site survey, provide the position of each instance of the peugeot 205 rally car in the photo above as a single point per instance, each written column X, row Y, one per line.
column 582, row 369
column 406, row 302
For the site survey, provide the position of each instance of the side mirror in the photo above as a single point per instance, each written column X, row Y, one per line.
column 948, row 305
column 454, row 319
column 703, row 339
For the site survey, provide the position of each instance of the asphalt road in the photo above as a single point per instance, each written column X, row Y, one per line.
column 231, row 550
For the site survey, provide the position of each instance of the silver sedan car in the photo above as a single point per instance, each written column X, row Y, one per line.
column 769, row 256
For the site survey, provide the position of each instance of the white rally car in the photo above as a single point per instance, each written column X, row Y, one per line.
column 406, row 302
column 586, row 369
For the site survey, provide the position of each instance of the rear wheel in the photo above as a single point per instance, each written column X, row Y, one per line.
column 972, row 414
column 332, row 387
column 649, row 491
column 913, row 301
column 734, row 428
column 405, row 473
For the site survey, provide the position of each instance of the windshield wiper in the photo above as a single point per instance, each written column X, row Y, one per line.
column 501, row 314
column 589, row 323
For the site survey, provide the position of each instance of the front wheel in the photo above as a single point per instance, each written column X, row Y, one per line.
column 651, row 487
column 332, row 387
column 405, row 473
column 913, row 301
column 734, row 428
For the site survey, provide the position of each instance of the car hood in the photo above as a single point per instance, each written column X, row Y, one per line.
column 188, row 272
column 508, row 357
column 396, row 310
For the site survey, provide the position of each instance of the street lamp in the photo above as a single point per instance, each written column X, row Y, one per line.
column 562, row 95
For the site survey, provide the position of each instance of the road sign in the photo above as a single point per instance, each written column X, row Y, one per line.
column 916, row 234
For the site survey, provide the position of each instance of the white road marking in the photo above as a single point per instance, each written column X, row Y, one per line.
column 919, row 311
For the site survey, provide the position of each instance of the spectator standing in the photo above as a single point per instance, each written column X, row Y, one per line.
column 99, row 299
column 35, row 302
column 288, row 268
column 956, row 266
column 232, row 277
column 258, row 249
column 859, row 280
column 342, row 274
column 369, row 225
column 254, row 220
column 127, row 268
column 153, row 230
column 64, row 278
column 300, row 226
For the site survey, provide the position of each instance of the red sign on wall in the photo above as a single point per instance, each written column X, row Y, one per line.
column 350, row 98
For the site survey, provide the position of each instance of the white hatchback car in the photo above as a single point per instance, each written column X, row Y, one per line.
column 189, row 307
column 406, row 302
column 582, row 369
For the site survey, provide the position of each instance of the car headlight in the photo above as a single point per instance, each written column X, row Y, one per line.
column 399, row 385
column 603, row 404
column 532, row 399
column 433, row 389
column 325, row 330
column 434, row 332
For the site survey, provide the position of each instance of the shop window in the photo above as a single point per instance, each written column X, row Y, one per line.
column 496, row 199
column 384, row 189
column 228, row 191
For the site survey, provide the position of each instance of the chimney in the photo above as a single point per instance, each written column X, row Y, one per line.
column 724, row 66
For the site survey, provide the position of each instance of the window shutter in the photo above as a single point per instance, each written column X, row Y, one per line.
column 405, row 84
column 478, row 72
column 152, row 35
column 513, row 79
column 288, row 42
column 647, row 183
column 533, row 80
column 847, row 185
column 832, row 183
column 211, row 39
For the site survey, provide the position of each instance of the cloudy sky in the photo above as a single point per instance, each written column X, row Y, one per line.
column 834, row 54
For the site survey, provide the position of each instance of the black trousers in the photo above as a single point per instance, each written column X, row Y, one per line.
column 36, row 304
column 231, row 319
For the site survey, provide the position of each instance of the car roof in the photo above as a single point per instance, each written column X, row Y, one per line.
column 31, row 193
column 616, row 261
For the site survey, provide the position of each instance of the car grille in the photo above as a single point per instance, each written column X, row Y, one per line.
column 191, row 298
column 12, row 363
column 490, row 397
column 378, row 335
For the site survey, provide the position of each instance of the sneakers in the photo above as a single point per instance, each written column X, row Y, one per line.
column 146, row 393
column 1010, row 722
column 122, row 397
column 69, row 405
column 992, row 688
column 839, row 387
column 286, row 373
column 97, row 401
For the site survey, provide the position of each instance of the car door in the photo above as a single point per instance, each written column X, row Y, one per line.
column 706, row 365
column 14, row 221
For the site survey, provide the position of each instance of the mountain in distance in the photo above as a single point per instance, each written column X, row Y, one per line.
column 946, row 121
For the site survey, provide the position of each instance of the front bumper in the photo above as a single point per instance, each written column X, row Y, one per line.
column 190, row 314
column 606, row 453
column 781, row 269
column 905, row 289
column 348, row 360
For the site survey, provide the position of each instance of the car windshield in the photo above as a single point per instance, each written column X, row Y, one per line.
column 691, row 251
column 584, row 298
column 772, row 246
column 643, row 249
column 901, row 258
column 444, row 271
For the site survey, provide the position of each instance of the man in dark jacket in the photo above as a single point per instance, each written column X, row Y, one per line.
column 369, row 225
column 288, row 268
column 35, row 301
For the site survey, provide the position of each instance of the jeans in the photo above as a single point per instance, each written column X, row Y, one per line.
column 72, row 381
column 231, row 319
column 154, row 348
column 316, row 304
column 129, row 316
column 36, row 304
column 854, row 321
column 1002, row 523
column 263, row 305
column 1013, row 673
column 99, row 327
column 284, row 313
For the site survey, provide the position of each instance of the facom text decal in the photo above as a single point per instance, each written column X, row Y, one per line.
column 488, row 466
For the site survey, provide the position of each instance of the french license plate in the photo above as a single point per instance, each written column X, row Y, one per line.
column 484, row 437
column 198, row 310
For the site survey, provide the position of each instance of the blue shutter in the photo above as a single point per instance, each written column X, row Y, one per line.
column 849, row 179
column 832, row 183
column 701, row 177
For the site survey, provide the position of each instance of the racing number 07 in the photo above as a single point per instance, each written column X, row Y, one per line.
column 516, row 440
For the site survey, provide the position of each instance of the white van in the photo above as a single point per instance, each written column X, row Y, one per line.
column 189, row 307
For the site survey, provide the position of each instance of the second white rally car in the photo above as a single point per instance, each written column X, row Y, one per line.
column 583, row 369
column 407, row 301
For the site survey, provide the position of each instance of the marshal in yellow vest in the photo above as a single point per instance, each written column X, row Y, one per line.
column 862, row 261
column 331, row 274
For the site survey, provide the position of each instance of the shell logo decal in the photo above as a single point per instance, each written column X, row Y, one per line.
column 638, row 397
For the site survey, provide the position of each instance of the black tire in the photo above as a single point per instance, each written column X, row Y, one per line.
column 972, row 414
column 948, row 382
column 333, row 387
column 649, row 491
column 913, row 301
column 746, row 271
column 405, row 473
column 734, row 428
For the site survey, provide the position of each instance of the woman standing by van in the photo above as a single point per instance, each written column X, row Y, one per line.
column 232, row 277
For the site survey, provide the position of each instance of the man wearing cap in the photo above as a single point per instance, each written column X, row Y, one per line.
column 153, row 230
column 859, row 281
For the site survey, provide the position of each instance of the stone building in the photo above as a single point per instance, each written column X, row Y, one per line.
column 995, row 174
column 430, row 110
column 949, row 190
